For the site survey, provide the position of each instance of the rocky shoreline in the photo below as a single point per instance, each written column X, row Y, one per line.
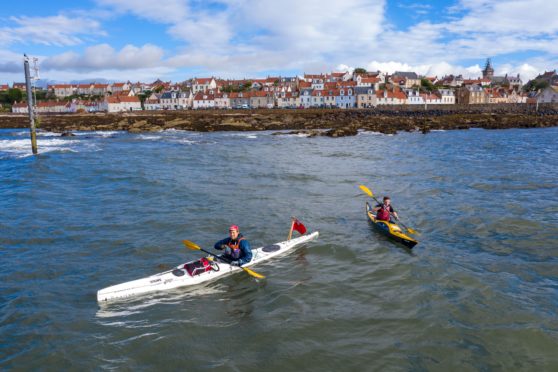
column 312, row 122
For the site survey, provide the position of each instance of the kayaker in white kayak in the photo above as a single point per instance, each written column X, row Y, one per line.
column 236, row 248
column 383, row 210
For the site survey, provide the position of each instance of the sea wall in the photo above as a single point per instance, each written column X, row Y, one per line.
column 331, row 122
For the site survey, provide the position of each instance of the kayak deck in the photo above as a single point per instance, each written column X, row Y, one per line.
column 390, row 229
column 196, row 272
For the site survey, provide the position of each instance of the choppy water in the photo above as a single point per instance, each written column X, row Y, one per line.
column 479, row 292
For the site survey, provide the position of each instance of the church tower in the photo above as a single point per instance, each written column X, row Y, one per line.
column 488, row 72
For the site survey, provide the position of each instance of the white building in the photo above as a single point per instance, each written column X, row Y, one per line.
column 120, row 104
column 203, row 100
column 222, row 101
column 62, row 90
column 414, row 97
column 306, row 98
column 203, row 84
column 548, row 95
column 176, row 100
column 447, row 96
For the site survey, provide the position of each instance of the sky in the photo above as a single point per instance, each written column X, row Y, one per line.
column 143, row 40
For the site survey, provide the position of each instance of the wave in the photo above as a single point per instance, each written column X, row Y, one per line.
column 99, row 133
column 149, row 137
column 184, row 141
column 21, row 148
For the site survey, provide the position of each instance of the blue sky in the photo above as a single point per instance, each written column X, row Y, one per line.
column 178, row 39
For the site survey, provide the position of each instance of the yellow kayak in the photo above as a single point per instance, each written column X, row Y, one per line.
column 390, row 229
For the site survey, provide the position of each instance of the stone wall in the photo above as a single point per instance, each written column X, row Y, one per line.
column 333, row 122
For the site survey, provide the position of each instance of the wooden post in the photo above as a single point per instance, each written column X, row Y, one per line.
column 30, row 105
column 291, row 230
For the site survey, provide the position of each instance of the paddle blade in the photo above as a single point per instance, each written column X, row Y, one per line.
column 191, row 245
column 253, row 273
column 412, row 231
column 366, row 190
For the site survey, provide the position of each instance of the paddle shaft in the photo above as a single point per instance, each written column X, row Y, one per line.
column 216, row 256
column 368, row 192
column 398, row 221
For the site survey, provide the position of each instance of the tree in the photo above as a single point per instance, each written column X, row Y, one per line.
column 41, row 95
column 142, row 97
column 360, row 70
column 426, row 84
column 541, row 84
column 536, row 85
column 14, row 95
column 247, row 85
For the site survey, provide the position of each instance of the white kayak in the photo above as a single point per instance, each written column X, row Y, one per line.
column 196, row 272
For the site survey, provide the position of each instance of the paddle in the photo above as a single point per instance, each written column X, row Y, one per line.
column 368, row 192
column 194, row 246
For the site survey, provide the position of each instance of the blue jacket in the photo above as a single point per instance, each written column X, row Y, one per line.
column 245, row 250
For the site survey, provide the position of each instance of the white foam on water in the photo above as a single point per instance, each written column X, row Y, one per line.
column 369, row 133
column 47, row 134
column 243, row 135
column 184, row 141
column 22, row 147
column 20, row 133
column 148, row 137
column 297, row 135
column 99, row 133
column 172, row 130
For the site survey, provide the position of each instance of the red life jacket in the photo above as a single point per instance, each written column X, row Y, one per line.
column 235, row 248
column 383, row 213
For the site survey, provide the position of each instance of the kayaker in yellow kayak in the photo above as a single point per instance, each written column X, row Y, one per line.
column 236, row 248
column 383, row 211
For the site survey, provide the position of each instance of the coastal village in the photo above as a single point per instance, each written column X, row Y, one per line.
column 359, row 89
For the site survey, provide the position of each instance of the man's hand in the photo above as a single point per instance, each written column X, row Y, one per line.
column 235, row 263
column 223, row 246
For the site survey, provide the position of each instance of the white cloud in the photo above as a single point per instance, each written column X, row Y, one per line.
column 312, row 26
column 56, row 30
column 166, row 11
column 103, row 56
column 247, row 37
column 533, row 17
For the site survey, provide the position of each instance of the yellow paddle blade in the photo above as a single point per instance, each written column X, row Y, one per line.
column 366, row 190
column 412, row 231
column 253, row 273
column 191, row 245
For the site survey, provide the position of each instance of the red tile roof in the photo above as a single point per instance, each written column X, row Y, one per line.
column 397, row 94
column 347, row 84
column 370, row 80
column 203, row 81
column 120, row 99
column 52, row 104
column 200, row 97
